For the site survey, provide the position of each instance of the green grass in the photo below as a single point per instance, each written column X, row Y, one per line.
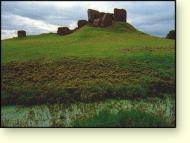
column 87, row 42
column 71, row 80
column 61, row 115
column 88, row 66
column 133, row 118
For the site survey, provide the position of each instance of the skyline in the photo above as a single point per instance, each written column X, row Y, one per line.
column 155, row 18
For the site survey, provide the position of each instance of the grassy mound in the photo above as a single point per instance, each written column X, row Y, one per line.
column 112, row 42
column 88, row 65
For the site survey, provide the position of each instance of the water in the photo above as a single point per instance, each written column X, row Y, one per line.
column 59, row 115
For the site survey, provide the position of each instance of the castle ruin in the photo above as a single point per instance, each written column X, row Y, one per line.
column 95, row 18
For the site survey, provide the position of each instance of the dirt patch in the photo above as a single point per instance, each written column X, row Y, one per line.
column 64, row 71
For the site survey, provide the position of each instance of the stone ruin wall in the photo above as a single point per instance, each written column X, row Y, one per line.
column 95, row 18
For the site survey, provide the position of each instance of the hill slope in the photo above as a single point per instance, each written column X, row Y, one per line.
column 57, row 75
column 89, row 64
column 112, row 42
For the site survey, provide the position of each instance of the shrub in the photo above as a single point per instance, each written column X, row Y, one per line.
column 171, row 35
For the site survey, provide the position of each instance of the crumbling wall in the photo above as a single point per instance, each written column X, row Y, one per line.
column 103, row 19
column 63, row 31
column 21, row 33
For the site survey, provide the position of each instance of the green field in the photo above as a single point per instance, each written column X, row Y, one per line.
column 94, row 77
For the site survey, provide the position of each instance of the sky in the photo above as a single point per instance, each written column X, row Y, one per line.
column 152, row 17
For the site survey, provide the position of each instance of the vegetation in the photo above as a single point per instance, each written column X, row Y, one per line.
column 61, row 115
column 133, row 118
column 119, row 42
column 171, row 35
column 88, row 66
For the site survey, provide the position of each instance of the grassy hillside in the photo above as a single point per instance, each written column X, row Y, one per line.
column 90, row 65
column 119, row 41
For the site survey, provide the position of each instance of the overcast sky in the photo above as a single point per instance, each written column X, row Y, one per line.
column 155, row 18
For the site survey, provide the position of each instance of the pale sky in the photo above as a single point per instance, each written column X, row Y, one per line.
column 153, row 17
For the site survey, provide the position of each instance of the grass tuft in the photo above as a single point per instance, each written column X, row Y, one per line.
column 132, row 118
